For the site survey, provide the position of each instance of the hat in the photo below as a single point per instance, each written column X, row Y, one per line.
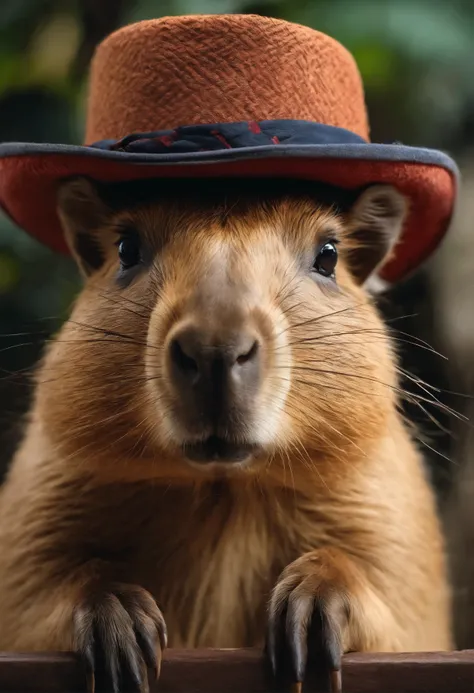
column 223, row 96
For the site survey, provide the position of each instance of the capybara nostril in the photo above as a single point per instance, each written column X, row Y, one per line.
column 182, row 360
column 248, row 355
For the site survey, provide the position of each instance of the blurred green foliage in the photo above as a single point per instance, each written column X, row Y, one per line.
column 416, row 59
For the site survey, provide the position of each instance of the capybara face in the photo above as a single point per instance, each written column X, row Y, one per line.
column 224, row 326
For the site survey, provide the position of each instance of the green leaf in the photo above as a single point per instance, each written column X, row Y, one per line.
column 9, row 272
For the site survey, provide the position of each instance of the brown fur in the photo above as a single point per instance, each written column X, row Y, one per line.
column 99, row 494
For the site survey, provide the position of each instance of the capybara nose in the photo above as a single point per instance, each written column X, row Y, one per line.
column 214, row 372
column 194, row 356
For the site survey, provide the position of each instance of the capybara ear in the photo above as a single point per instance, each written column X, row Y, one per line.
column 82, row 213
column 375, row 222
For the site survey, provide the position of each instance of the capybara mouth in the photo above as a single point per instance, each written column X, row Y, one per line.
column 215, row 449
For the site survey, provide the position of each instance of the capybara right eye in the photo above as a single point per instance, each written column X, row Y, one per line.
column 129, row 251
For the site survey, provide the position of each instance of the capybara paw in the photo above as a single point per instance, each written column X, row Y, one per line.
column 120, row 633
column 307, row 625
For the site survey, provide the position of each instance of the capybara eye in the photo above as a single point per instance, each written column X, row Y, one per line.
column 129, row 251
column 326, row 260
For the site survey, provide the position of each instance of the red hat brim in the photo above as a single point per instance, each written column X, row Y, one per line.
column 30, row 173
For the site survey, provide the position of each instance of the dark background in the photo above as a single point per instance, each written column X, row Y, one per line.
column 416, row 59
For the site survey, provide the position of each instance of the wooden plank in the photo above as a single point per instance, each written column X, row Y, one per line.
column 242, row 671
column 39, row 673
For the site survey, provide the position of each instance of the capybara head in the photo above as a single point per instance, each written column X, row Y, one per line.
column 225, row 326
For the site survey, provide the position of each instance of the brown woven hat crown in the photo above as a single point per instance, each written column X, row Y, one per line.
column 163, row 73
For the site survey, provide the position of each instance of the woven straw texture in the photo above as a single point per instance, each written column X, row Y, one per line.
column 163, row 73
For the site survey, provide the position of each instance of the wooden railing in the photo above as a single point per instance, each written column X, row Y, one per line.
column 242, row 671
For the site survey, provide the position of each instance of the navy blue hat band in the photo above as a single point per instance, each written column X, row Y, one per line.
column 204, row 138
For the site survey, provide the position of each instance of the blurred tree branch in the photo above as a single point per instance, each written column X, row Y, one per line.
column 98, row 19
